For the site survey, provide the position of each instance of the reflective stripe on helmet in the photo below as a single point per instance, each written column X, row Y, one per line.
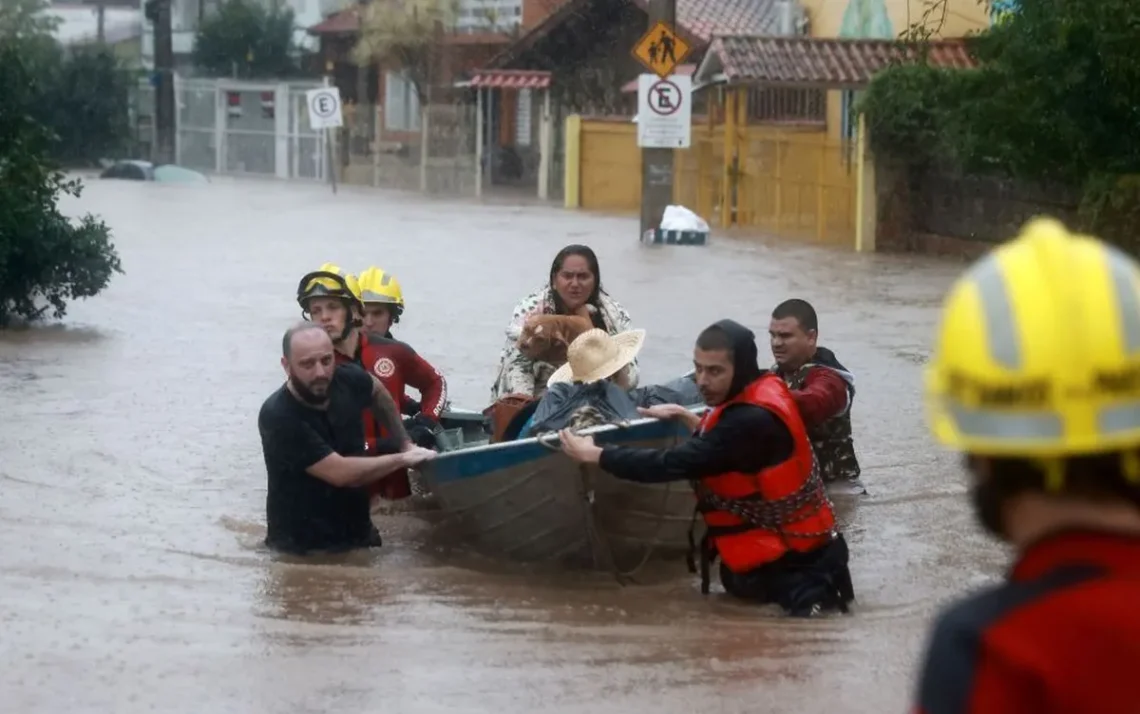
column 1001, row 332
column 1015, row 427
column 1122, row 268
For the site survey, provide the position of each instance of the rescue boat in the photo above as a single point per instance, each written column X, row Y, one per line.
column 526, row 501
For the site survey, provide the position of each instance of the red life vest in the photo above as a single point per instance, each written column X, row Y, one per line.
column 395, row 485
column 789, row 498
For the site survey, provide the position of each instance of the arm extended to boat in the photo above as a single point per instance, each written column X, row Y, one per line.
column 355, row 471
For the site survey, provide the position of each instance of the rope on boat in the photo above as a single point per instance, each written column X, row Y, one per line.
column 599, row 541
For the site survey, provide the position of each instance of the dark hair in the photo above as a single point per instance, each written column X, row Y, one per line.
column 714, row 338
column 1094, row 477
column 799, row 309
column 581, row 251
column 287, row 338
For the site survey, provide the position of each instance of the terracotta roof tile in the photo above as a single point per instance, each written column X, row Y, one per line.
column 706, row 18
column 702, row 19
column 345, row 22
column 697, row 21
column 824, row 62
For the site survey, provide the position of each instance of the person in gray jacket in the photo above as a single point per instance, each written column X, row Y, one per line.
column 592, row 387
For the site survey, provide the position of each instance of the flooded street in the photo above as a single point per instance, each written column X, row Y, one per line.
column 132, row 576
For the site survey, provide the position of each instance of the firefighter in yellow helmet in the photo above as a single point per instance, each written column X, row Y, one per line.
column 383, row 301
column 1035, row 377
column 331, row 298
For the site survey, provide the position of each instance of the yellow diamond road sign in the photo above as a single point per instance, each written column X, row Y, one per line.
column 661, row 50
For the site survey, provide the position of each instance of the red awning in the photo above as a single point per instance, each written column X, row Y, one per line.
column 685, row 70
column 511, row 79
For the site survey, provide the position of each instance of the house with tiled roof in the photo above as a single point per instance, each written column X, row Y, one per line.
column 774, row 83
column 482, row 29
column 581, row 53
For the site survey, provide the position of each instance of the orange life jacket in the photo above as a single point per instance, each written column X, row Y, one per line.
column 756, row 518
column 395, row 485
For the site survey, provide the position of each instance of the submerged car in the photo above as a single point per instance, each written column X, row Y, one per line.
column 137, row 170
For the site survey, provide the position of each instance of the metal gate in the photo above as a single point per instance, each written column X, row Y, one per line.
column 227, row 126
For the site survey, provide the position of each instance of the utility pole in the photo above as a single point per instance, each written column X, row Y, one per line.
column 158, row 12
column 657, row 164
column 100, row 21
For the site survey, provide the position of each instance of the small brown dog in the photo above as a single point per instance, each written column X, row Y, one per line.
column 545, row 338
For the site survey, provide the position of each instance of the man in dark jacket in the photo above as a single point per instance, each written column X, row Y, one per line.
column 768, row 517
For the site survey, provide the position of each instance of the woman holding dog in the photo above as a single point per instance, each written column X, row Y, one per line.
column 574, row 288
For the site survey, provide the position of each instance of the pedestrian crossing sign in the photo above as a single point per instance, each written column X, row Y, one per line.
column 661, row 50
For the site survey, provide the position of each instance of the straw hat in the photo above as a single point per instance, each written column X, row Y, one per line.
column 596, row 354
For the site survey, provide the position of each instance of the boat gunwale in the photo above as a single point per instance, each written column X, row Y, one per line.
column 547, row 439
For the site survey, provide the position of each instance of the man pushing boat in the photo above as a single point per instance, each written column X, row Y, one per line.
column 312, row 439
column 758, row 486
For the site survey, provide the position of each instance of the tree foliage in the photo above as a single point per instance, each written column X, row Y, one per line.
column 247, row 39
column 81, row 93
column 26, row 20
column 405, row 34
column 46, row 259
column 1056, row 95
column 1055, row 98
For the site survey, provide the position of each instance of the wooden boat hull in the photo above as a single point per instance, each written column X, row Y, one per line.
column 524, row 500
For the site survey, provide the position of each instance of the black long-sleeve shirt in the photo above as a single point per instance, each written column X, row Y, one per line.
column 746, row 438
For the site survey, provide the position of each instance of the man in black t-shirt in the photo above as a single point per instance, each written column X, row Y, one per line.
column 312, row 438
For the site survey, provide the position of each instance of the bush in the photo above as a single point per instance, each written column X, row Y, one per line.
column 906, row 112
column 1110, row 208
column 1056, row 99
column 86, row 105
column 45, row 258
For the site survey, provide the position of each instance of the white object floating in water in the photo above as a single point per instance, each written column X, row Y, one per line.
column 679, row 218
column 679, row 226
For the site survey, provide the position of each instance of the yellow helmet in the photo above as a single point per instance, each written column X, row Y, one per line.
column 328, row 281
column 377, row 286
column 1038, row 350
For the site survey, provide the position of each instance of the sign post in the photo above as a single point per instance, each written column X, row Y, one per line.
column 325, row 114
column 664, row 112
column 664, row 100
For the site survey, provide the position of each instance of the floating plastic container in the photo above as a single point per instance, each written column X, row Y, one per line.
column 662, row 236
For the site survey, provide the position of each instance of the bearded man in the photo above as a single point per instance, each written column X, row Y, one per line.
column 312, row 439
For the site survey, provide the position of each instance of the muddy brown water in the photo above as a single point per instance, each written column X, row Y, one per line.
column 132, row 578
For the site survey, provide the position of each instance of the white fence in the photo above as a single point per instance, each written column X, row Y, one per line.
column 228, row 126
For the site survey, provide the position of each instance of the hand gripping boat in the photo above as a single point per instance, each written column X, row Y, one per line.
column 526, row 501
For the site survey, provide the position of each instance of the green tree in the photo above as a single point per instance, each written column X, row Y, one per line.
column 82, row 93
column 26, row 19
column 1056, row 95
column 46, row 259
column 86, row 105
column 243, row 38
column 405, row 35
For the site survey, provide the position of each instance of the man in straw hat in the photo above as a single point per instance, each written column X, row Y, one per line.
column 751, row 465
column 1035, row 377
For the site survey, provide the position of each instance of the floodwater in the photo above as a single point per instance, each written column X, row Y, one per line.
column 132, row 578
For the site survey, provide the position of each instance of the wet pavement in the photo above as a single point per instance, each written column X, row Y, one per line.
column 132, row 578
